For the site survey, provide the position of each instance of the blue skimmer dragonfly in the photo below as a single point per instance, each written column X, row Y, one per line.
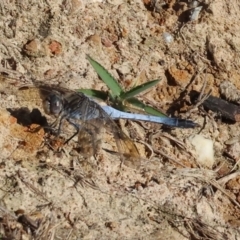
column 85, row 115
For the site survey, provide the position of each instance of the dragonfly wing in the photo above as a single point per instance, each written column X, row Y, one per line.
column 126, row 147
column 89, row 138
column 94, row 118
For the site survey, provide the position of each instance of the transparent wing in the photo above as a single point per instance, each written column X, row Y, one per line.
column 89, row 139
column 126, row 147
column 93, row 120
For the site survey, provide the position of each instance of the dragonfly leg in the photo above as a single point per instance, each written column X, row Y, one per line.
column 76, row 126
column 53, row 126
column 58, row 122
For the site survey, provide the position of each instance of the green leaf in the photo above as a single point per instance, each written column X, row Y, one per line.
column 153, row 111
column 94, row 93
column 138, row 89
column 108, row 79
column 150, row 110
column 117, row 95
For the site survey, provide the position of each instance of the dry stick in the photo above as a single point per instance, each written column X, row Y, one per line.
column 69, row 234
column 148, row 146
column 235, row 165
column 209, row 181
column 228, row 177
column 8, row 212
column 11, row 72
column 24, row 78
column 179, row 143
column 204, row 229
column 180, row 32
column 175, row 140
column 217, row 185
column 168, row 157
column 202, row 97
column 226, row 108
column 31, row 187
column 75, row 181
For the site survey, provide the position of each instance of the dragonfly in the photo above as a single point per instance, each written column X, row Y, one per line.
column 86, row 116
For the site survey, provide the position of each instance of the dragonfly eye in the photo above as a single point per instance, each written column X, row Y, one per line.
column 53, row 105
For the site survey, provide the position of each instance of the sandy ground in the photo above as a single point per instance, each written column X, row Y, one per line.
column 49, row 195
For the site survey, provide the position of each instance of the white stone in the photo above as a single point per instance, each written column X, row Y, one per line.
column 204, row 150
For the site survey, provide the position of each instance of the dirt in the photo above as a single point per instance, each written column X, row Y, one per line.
column 64, row 195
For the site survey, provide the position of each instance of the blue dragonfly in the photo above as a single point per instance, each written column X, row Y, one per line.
column 86, row 116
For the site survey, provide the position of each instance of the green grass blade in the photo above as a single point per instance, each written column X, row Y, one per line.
column 94, row 93
column 152, row 111
column 107, row 78
column 149, row 110
column 140, row 88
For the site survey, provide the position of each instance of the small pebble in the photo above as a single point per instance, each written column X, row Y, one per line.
column 204, row 150
column 168, row 38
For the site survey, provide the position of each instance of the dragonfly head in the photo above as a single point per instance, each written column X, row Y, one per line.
column 53, row 104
